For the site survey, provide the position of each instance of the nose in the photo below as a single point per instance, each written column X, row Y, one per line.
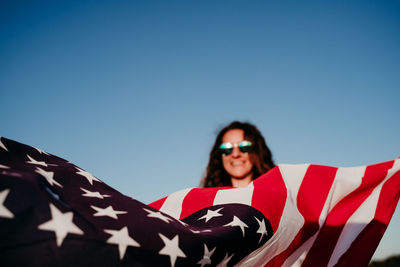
column 236, row 152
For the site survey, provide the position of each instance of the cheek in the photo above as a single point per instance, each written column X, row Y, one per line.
column 224, row 160
column 250, row 159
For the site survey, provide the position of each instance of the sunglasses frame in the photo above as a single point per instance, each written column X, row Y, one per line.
column 227, row 148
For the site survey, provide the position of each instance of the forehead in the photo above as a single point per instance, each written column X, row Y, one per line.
column 233, row 136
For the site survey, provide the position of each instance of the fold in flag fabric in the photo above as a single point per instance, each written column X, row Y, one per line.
column 53, row 213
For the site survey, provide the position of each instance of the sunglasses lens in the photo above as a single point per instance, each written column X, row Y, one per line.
column 226, row 148
column 226, row 151
column 245, row 146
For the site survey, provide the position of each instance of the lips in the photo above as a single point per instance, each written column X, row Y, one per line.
column 235, row 163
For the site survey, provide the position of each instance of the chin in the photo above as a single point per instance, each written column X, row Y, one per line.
column 240, row 176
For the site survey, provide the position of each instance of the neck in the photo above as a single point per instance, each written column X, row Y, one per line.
column 241, row 182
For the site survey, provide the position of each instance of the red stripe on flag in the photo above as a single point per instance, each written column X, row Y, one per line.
column 311, row 198
column 337, row 218
column 197, row 199
column 367, row 241
column 365, row 244
column 269, row 196
column 158, row 203
column 388, row 199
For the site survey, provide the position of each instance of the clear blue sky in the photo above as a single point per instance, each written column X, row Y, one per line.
column 134, row 91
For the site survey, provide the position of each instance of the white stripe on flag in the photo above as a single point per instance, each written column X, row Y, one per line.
column 360, row 218
column 173, row 204
column 291, row 220
column 297, row 257
column 341, row 187
column 347, row 180
column 236, row 195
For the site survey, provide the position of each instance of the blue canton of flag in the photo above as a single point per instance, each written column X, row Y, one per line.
column 53, row 213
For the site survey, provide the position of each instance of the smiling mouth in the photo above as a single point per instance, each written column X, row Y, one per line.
column 235, row 163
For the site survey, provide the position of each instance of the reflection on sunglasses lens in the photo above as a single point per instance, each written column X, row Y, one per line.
column 227, row 148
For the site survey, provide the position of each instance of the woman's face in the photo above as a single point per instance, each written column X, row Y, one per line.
column 237, row 164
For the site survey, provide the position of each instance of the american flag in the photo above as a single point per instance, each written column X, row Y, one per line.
column 53, row 213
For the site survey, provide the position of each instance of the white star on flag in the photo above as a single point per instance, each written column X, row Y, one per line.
column 34, row 161
column 171, row 248
column 122, row 239
column 4, row 212
column 158, row 215
column 262, row 229
column 49, row 176
column 207, row 256
column 225, row 261
column 4, row 167
column 237, row 222
column 2, row 145
column 41, row 151
column 87, row 175
column 109, row 211
column 211, row 214
column 93, row 194
column 61, row 224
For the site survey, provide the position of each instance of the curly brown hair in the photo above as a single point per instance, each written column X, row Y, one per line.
column 260, row 156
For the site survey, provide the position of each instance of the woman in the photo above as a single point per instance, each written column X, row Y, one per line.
column 238, row 156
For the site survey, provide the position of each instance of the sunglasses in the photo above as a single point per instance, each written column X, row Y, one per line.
column 244, row 146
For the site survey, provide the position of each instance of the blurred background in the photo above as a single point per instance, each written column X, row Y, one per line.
column 135, row 91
